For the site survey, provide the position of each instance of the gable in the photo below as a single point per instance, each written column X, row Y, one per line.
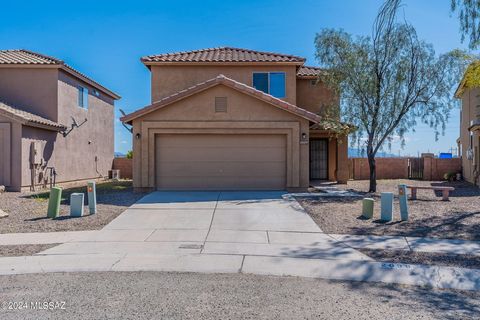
column 201, row 107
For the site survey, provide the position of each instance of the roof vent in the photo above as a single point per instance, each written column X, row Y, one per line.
column 220, row 104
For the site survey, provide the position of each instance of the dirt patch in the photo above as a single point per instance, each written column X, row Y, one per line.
column 24, row 249
column 428, row 258
column 28, row 211
column 458, row 218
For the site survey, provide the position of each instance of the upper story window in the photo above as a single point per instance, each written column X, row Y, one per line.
column 83, row 97
column 270, row 82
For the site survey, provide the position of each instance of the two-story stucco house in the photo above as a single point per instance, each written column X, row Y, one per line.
column 55, row 122
column 232, row 119
column 469, row 141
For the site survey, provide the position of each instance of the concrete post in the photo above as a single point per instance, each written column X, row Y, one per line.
column 402, row 196
column 54, row 202
column 92, row 197
column 386, row 202
column 76, row 204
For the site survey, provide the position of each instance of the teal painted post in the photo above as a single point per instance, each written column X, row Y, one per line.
column 402, row 197
column 367, row 208
column 54, row 202
column 76, row 204
column 92, row 197
column 386, row 203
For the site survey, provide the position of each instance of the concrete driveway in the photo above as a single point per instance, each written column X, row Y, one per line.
column 262, row 223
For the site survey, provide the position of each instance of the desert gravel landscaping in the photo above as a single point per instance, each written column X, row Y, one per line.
column 28, row 211
column 24, row 249
column 430, row 217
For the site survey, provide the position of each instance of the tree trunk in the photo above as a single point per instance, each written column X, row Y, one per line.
column 373, row 172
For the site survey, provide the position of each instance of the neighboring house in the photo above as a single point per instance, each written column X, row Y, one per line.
column 231, row 119
column 53, row 119
column 469, row 141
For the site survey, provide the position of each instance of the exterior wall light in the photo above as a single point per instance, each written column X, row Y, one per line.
column 138, row 136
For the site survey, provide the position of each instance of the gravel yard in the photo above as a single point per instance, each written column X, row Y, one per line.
column 28, row 211
column 458, row 218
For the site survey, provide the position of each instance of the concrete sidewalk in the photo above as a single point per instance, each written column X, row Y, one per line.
column 228, row 232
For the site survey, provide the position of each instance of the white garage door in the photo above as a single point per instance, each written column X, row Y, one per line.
column 220, row 162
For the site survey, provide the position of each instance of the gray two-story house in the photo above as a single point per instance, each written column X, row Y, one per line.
column 55, row 122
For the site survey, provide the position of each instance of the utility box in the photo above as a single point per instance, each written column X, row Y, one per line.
column 92, row 197
column 76, row 204
column 386, row 206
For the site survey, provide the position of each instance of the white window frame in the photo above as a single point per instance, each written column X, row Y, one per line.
column 268, row 81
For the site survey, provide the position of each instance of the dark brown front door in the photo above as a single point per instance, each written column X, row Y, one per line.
column 319, row 159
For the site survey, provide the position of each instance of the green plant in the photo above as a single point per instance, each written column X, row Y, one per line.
column 130, row 154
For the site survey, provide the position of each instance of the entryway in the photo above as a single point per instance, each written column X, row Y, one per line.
column 319, row 159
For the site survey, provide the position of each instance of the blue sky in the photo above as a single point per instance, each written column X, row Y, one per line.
column 105, row 39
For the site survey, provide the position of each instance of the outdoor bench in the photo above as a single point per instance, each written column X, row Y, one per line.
column 445, row 191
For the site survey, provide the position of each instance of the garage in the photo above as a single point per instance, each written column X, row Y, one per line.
column 220, row 161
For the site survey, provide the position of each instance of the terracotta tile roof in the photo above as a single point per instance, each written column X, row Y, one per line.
column 221, row 79
column 222, row 54
column 28, row 118
column 26, row 57
column 308, row 72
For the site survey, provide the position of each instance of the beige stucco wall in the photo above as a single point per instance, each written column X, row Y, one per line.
column 196, row 114
column 32, row 89
column 313, row 96
column 53, row 94
column 470, row 112
column 169, row 79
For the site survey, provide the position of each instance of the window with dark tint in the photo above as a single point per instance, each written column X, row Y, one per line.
column 260, row 81
column 270, row 82
column 277, row 84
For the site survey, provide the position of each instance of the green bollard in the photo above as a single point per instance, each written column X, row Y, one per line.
column 54, row 202
column 367, row 208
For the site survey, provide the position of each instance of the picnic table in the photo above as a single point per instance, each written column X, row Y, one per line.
column 445, row 191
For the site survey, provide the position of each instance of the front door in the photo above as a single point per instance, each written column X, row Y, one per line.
column 319, row 159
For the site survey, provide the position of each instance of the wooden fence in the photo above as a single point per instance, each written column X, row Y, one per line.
column 404, row 168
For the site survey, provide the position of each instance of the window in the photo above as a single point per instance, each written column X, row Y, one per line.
column 83, row 97
column 270, row 82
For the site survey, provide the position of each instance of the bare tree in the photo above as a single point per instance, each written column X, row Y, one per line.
column 389, row 81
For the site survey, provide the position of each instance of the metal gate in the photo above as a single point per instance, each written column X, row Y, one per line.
column 319, row 159
column 415, row 168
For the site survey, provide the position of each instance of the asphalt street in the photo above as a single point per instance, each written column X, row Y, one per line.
column 158, row 295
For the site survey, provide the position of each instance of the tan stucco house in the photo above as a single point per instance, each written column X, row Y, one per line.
column 469, row 141
column 234, row 119
column 55, row 122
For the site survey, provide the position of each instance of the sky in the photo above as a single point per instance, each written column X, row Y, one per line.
column 105, row 39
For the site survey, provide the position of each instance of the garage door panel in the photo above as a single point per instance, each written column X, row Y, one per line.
column 228, row 154
column 217, row 140
column 219, row 183
column 219, row 169
column 220, row 162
